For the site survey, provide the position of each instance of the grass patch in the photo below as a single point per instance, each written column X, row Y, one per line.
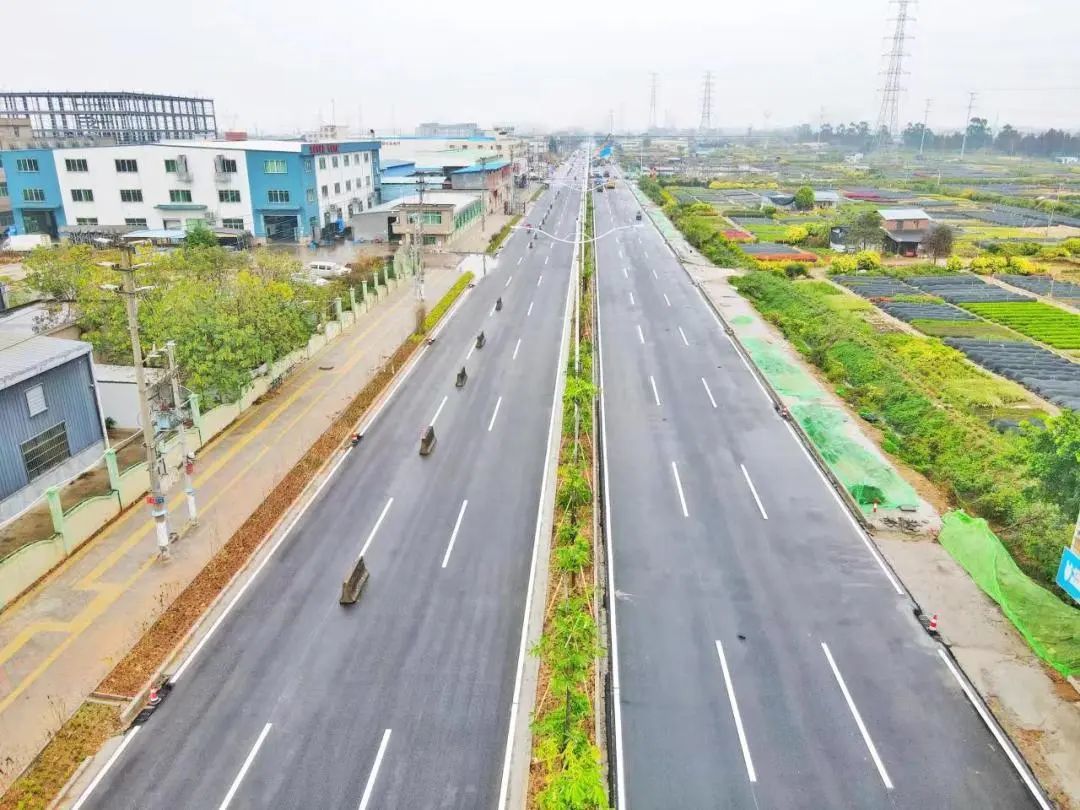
column 503, row 232
column 972, row 329
column 80, row 737
column 1043, row 322
column 446, row 302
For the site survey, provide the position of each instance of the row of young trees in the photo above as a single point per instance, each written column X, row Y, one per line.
column 980, row 135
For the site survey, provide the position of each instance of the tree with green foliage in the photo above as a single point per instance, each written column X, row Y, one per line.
column 863, row 230
column 804, row 198
column 1052, row 453
column 200, row 236
column 939, row 242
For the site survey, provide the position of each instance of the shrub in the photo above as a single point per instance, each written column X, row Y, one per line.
column 804, row 198
column 867, row 260
column 843, row 264
column 796, row 270
column 795, row 235
column 954, row 264
column 445, row 302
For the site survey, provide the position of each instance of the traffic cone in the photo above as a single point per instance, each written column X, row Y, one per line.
column 154, row 699
column 932, row 627
column 875, row 507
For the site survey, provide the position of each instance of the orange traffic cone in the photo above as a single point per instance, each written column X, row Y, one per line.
column 154, row 699
column 933, row 624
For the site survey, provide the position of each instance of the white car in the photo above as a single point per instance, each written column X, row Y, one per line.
column 327, row 269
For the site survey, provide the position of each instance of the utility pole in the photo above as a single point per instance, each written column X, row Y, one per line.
column 187, row 459
column 889, row 114
column 418, row 241
column 926, row 118
column 967, row 123
column 483, row 211
column 156, row 499
column 706, row 104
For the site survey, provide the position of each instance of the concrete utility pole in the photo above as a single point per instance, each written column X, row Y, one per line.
column 483, row 211
column 187, row 460
column 967, row 123
column 156, row 499
column 926, row 118
column 418, row 242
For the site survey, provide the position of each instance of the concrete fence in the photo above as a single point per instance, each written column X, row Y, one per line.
column 72, row 527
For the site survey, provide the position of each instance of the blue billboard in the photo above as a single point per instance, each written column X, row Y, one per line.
column 1068, row 575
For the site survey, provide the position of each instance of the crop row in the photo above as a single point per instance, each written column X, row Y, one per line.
column 1037, row 320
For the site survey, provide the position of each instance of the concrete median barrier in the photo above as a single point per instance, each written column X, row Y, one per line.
column 480, row 340
column 427, row 440
column 351, row 587
column 461, row 378
column 498, row 304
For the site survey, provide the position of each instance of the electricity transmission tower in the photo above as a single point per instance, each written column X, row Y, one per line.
column 889, row 115
column 652, row 103
column 706, row 103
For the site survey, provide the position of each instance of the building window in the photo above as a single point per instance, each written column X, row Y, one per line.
column 179, row 195
column 359, row 182
column 311, row 195
column 82, row 195
column 127, row 165
column 236, row 224
column 430, row 240
column 367, row 181
column 322, row 163
column 227, row 166
column 46, row 450
column 3, row 190
column 135, row 222
column 334, row 161
column 171, row 165
column 367, row 157
column 345, row 160
column 337, row 188
column 360, row 206
column 348, row 185
column 86, row 221
column 277, row 195
column 275, row 167
column 75, row 164
column 131, row 195
column 228, row 195
column 26, row 164
column 33, row 195
column 326, row 191
column 432, row 218
column 35, row 400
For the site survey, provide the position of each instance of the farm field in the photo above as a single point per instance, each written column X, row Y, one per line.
column 1037, row 320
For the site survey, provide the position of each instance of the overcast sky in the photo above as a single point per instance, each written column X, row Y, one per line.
column 287, row 65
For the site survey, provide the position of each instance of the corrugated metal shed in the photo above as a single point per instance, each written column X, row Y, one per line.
column 490, row 166
column 22, row 357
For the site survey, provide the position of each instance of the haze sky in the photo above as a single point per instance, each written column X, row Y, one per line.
column 285, row 66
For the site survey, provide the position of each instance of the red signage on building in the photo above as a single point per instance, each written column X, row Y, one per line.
column 323, row 148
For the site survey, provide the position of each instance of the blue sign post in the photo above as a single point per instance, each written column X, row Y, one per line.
column 1068, row 575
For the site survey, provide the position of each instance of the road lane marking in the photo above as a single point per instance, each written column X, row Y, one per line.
column 640, row 335
column 656, row 396
column 750, row 772
column 678, row 486
column 540, row 278
column 995, row 729
column 492, row 310
column 645, row 253
column 439, row 410
column 546, row 259
column 516, row 347
column 375, row 528
column 244, row 768
column 707, row 391
column 108, row 765
column 654, row 273
column 746, row 475
column 858, row 718
column 631, row 299
column 511, row 278
column 495, row 413
column 847, row 513
column 370, row 786
column 520, row 260
column 527, row 314
column 686, row 342
column 667, row 300
column 453, row 535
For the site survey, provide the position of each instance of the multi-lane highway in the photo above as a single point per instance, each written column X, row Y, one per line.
column 764, row 655
column 405, row 699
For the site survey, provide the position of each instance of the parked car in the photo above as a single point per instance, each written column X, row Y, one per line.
column 327, row 269
column 304, row 278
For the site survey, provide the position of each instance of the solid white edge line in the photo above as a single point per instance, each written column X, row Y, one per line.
column 516, row 347
column 655, row 393
column 678, row 485
column 640, row 334
column 753, row 491
column 375, row 528
column 370, row 786
column 851, row 518
column 858, row 718
column 244, row 768
column 527, row 314
column 438, row 410
column 750, row 772
column 564, row 351
column 668, row 300
column 709, row 392
column 620, row 769
column 494, row 413
column 454, row 533
column 108, row 765
column 686, row 342
column 995, row 729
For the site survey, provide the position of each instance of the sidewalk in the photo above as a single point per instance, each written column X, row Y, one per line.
column 58, row 641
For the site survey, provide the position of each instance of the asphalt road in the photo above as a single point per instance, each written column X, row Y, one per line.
column 765, row 659
column 402, row 700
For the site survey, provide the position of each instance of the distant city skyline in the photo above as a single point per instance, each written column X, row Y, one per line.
column 286, row 70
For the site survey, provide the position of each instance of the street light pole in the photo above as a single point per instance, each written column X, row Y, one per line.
column 186, row 460
column 156, row 499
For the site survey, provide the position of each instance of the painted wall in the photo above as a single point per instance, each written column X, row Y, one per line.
column 298, row 181
column 345, row 179
column 45, row 178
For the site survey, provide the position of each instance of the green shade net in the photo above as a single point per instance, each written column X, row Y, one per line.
column 1051, row 627
column 867, row 476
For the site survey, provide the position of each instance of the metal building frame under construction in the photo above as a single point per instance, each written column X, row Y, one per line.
column 121, row 117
